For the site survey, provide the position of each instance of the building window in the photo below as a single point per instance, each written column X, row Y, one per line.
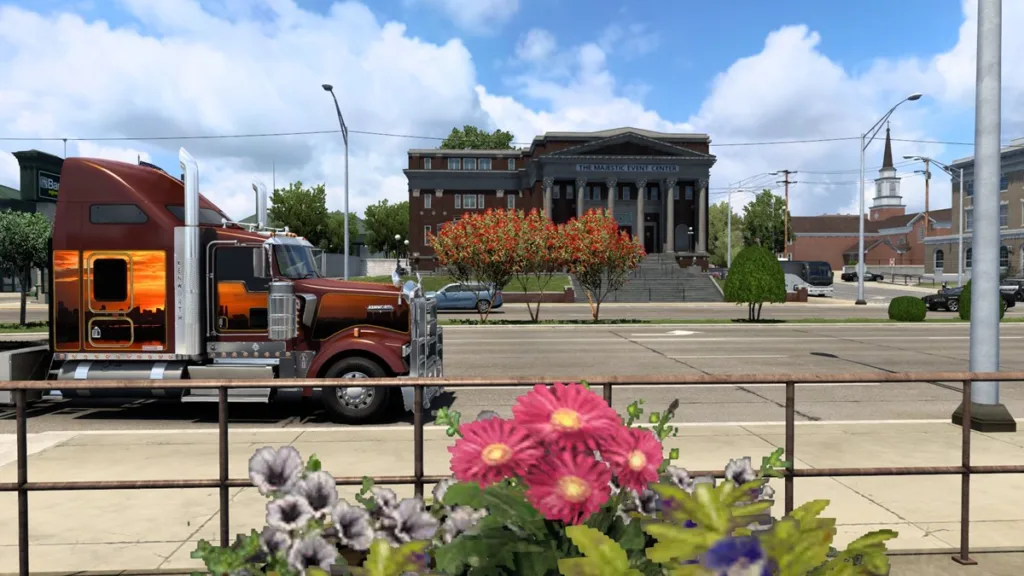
column 920, row 232
column 480, row 201
column 116, row 214
column 469, row 202
column 426, row 235
column 458, row 201
column 624, row 191
column 511, row 163
column 968, row 257
column 485, row 163
column 426, row 164
column 1004, row 183
column 469, row 163
column 1004, row 215
column 454, row 163
column 970, row 188
column 1004, row 256
column 652, row 193
column 110, row 280
column 570, row 191
column 427, row 199
column 969, row 219
column 940, row 259
column 689, row 193
column 511, row 202
column 556, row 192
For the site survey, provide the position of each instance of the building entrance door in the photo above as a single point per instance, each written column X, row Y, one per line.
column 650, row 237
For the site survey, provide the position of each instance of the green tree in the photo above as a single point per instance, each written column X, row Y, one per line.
column 764, row 221
column 718, row 238
column 383, row 222
column 24, row 245
column 473, row 138
column 334, row 241
column 964, row 310
column 304, row 211
column 755, row 277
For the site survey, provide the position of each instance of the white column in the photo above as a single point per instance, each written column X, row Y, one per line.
column 581, row 187
column 613, row 189
column 548, row 182
column 670, row 217
column 702, row 211
column 638, row 226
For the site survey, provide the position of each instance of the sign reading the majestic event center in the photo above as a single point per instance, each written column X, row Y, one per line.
column 655, row 168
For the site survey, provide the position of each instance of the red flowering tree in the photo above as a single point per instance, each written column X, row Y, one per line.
column 542, row 253
column 600, row 255
column 481, row 247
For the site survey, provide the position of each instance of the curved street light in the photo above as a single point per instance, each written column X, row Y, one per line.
column 865, row 141
column 344, row 136
column 957, row 175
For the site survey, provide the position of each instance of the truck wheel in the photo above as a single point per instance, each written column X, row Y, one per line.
column 354, row 404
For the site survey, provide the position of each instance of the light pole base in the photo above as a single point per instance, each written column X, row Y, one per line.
column 986, row 418
column 861, row 302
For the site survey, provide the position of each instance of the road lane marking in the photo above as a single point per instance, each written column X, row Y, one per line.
column 430, row 427
column 698, row 357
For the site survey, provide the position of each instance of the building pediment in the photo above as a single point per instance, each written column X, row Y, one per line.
column 630, row 144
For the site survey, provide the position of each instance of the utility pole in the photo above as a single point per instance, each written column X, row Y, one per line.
column 785, row 232
column 927, row 179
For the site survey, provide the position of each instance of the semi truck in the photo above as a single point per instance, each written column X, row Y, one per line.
column 149, row 280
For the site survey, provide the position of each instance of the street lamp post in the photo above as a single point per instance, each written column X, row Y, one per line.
column 865, row 141
column 344, row 137
column 957, row 175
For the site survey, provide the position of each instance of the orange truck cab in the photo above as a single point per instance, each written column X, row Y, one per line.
column 151, row 281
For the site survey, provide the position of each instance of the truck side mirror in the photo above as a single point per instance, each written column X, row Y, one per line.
column 259, row 263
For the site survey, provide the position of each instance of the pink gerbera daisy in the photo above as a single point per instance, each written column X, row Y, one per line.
column 634, row 457
column 492, row 450
column 568, row 486
column 566, row 416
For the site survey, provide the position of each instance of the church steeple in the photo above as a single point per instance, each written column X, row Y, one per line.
column 887, row 158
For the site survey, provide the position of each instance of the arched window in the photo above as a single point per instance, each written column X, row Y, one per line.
column 940, row 259
column 1004, row 256
column 968, row 256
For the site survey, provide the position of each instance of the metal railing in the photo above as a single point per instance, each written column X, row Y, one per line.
column 419, row 479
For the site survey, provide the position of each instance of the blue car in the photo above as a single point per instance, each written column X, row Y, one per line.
column 466, row 297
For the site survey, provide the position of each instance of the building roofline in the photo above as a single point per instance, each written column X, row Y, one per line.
column 464, row 152
column 572, row 136
column 1016, row 145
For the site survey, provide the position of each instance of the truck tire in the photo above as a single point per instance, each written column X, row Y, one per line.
column 355, row 404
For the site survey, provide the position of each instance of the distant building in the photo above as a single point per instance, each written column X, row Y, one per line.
column 38, row 190
column 892, row 237
column 654, row 183
column 941, row 250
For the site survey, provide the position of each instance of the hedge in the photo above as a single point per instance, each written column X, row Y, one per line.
column 907, row 309
column 965, row 303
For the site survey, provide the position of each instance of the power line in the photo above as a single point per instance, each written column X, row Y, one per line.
column 411, row 137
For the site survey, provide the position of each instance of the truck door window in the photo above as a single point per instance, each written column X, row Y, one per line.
column 110, row 280
column 241, row 298
column 116, row 214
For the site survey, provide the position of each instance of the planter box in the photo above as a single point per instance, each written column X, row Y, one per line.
column 798, row 296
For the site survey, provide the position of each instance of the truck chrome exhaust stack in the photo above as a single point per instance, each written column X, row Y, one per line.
column 187, row 299
column 261, row 204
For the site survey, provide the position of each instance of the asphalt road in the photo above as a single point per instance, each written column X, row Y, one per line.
column 573, row 352
column 875, row 292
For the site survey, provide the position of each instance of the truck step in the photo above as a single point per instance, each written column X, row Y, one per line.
column 235, row 395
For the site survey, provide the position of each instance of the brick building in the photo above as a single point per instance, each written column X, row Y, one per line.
column 892, row 237
column 941, row 250
column 656, row 179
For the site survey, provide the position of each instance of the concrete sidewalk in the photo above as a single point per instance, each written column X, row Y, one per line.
column 150, row 530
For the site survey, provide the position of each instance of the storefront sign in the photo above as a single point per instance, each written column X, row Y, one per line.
column 648, row 168
column 49, row 185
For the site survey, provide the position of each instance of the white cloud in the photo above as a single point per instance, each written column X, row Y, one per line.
column 93, row 150
column 630, row 41
column 536, row 45
column 476, row 16
column 182, row 69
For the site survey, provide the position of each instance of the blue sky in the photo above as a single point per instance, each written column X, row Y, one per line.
column 813, row 70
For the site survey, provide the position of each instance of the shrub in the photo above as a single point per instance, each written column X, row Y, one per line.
column 755, row 277
column 965, row 303
column 907, row 309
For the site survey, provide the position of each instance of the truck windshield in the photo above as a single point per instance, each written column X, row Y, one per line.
column 295, row 262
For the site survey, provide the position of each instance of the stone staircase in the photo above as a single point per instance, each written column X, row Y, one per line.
column 660, row 279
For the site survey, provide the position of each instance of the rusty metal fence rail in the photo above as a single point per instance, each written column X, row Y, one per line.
column 418, row 479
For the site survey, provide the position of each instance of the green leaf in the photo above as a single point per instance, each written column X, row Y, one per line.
column 872, row 540
column 509, row 505
column 579, row 567
column 599, row 548
column 313, row 465
column 653, row 418
column 316, row 571
column 678, row 543
column 464, row 494
column 673, row 454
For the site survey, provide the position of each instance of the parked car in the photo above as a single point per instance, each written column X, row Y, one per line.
column 851, row 276
column 466, row 297
column 1014, row 287
column 949, row 299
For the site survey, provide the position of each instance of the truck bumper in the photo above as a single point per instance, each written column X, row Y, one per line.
column 826, row 291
